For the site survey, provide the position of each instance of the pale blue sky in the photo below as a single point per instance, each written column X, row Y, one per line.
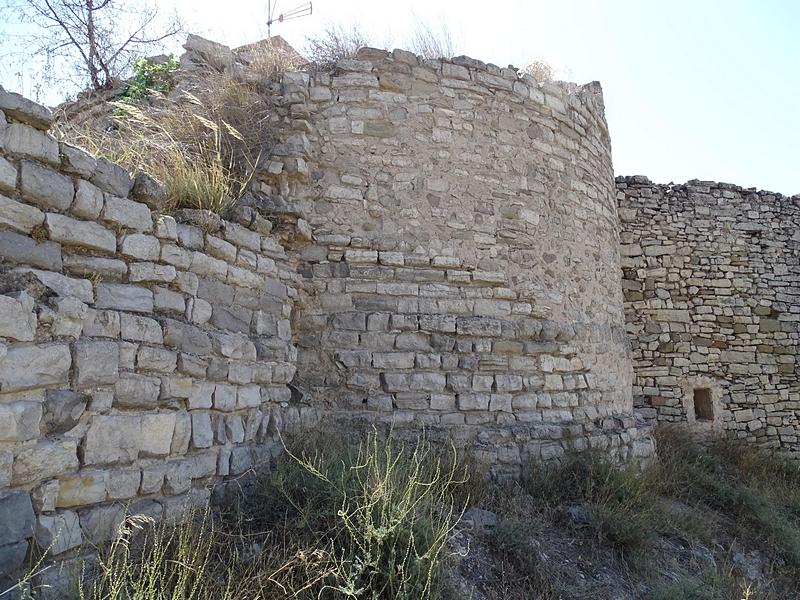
column 706, row 89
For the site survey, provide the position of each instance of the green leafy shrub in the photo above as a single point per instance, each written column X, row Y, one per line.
column 149, row 77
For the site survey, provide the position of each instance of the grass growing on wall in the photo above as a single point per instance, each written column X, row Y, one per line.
column 332, row 522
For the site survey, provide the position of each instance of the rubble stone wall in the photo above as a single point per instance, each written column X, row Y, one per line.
column 712, row 302
column 464, row 274
column 140, row 357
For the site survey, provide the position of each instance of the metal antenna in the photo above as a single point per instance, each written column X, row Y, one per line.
column 299, row 11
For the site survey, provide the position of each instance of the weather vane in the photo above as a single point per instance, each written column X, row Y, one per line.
column 299, row 11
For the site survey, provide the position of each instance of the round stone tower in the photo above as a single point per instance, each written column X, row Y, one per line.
column 464, row 273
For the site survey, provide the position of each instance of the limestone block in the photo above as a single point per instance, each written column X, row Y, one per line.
column 17, row 317
column 140, row 329
column 24, row 110
column 101, row 323
column 248, row 396
column 166, row 228
column 468, row 401
column 183, row 433
column 166, row 300
column 88, row 200
column 44, row 497
column 45, row 460
column 12, row 556
column 156, row 359
column 124, row 297
column 22, row 249
column 111, row 178
column 136, row 391
column 19, row 421
column 69, row 317
column 186, row 338
column 157, row 432
column 85, row 234
column 30, row 366
column 45, row 187
column 19, row 216
column 81, row 264
column 6, row 462
column 175, row 387
column 58, row 533
column 127, row 213
column 17, row 519
column 140, row 246
column 123, row 484
column 241, row 460
column 112, row 439
column 76, row 161
column 148, row 271
column 176, row 256
column 101, row 524
column 62, row 410
column 201, row 395
column 202, row 433
column 224, row 397
column 8, row 175
column 149, row 190
column 23, row 140
column 96, row 363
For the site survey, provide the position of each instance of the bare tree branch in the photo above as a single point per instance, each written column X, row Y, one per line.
column 98, row 39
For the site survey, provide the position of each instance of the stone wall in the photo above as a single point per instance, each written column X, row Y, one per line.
column 712, row 302
column 140, row 357
column 464, row 275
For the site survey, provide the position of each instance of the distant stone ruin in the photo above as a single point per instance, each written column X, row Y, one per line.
column 432, row 244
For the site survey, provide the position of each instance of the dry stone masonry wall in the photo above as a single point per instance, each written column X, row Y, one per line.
column 464, row 274
column 712, row 290
column 140, row 357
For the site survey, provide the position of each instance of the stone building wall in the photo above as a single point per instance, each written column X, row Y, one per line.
column 464, row 275
column 140, row 357
column 712, row 303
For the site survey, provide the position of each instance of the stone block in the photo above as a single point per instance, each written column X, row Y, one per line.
column 151, row 272
column 20, row 108
column 156, row 359
column 111, row 178
column 127, row 213
column 101, row 524
column 140, row 329
column 17, row 317
column 183, row 433
column 157, row 432
column 31, row 366
column 112, row 439
column 136, row 391
column 140, row 246
column 19, row 421
column 224, row 397
column 175, row 387
column 21, row 249
column 85, row 234
column 45, row 187
column 62, row 410
column 58, row 533
column 45, row 460
column 101, row 323
column 96, row 363
column 23, row 140
column 478, row 326
column 76, row 161
column 186, row 338
column 17, row 520
column 18, row 216
column 202, row 433
column 148, row 190
column 8, row 175
column 166, row 300
column 44, row 497
column 88, row 201
column 124, row 297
